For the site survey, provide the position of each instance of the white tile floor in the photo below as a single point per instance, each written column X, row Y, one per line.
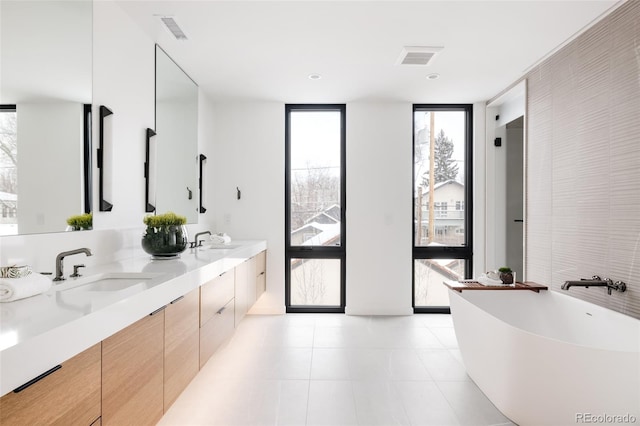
column 301, row 369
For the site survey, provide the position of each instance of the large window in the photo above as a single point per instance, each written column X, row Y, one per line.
column 315, row 219
column 442, row 246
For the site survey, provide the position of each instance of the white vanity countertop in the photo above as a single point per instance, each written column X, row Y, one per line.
column 42, row 331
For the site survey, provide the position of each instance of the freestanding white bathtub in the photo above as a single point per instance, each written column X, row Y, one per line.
column 550, row 359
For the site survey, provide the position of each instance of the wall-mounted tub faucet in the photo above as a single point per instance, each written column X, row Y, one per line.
column 195, row 242
column 60, row 261
column 596, row 281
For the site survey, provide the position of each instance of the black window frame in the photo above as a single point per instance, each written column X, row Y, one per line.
column 315, row 252
column 464, row 252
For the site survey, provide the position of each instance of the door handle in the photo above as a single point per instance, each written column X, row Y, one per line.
column 37, row 379
column 177, row 300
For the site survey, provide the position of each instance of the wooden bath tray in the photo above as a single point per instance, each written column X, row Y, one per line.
column 475, row 285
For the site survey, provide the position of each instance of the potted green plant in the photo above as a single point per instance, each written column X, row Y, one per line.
column 80, row 222
column 165, row 236
column 506, row 275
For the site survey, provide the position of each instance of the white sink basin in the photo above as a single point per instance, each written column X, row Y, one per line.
column 93, row 292
column 107, row 282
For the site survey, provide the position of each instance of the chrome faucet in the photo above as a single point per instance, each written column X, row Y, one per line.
column 596, row 281
column 195, row 242
column 60, row 261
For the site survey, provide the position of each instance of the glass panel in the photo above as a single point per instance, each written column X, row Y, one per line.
column 8, row 173
column 439, row 148
column 315, row 282
column 429, row 275
column 315, row 178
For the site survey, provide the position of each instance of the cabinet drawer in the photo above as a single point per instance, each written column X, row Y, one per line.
column 67, row 396
column 261, row 263
column 261, row 284
column 216, row 331
column 215, row 294
column 181, row 342
column 132, row 373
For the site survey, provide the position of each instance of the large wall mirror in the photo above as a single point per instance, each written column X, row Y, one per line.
column 176, row 142
column 45, row 93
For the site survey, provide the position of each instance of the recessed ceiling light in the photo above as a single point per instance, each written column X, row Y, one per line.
column 433, row 76
column 315, row 76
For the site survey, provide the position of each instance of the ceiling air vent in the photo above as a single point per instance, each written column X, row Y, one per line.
column 417, row 55
column 173, row 27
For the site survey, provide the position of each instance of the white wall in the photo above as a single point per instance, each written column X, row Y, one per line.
column 123, row 80
column 46, row 51
column 247, row 151
column 479, row 187
column 379, row 208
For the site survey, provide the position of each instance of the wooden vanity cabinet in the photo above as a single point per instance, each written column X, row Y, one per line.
column 250, row 284
column 132, row 373
column 217, row 308
column 181, row 343
column 261, row 273
column 243, row 272
column 67, row 396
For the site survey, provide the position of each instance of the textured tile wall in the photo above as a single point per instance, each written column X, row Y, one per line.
column 583, row 195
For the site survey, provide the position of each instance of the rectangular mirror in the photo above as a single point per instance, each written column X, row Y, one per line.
column 176, row 142
column 45, row 118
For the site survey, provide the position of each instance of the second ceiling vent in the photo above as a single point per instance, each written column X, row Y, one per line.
column 173, row 27
column 418, row 55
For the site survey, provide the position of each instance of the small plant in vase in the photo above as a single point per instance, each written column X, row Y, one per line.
column 506, row 275
column 165, row 236
column 80, row 222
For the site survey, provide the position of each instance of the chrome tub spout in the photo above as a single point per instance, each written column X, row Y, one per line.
column 596, row 281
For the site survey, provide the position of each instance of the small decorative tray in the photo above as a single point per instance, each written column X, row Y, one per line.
column 475, row 285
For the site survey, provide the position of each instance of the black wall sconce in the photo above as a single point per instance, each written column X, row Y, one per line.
column 105, row 206
column 148, row 207
column 201, row 208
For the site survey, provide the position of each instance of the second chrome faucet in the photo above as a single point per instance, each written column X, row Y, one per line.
column 60, row 261
column 196, row 242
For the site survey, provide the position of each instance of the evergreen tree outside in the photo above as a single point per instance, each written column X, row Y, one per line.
column 445, row 166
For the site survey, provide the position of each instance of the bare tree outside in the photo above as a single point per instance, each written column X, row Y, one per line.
column 311, row 288
column 8, row 152
column 8, row 170
column 313, row 190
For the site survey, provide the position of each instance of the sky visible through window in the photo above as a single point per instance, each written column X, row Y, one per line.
column 317, row 139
